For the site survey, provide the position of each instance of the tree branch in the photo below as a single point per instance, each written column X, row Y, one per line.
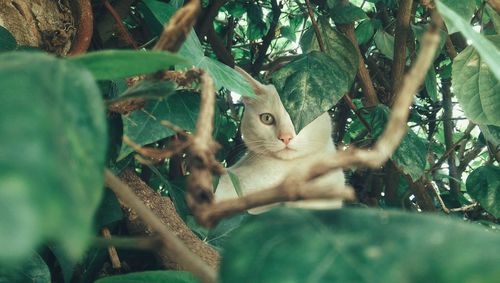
column 201, row 161
column 292, row 187
column 363, row 76
column 173, row 247
column 400, row 39
column 266, row 40
column 315, row 26
column 121, row 28
column 178, row 28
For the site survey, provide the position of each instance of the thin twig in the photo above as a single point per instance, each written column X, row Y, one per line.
column 113, row 254
column 315, row 26
column 174, row 248
column 363, row 76
column 201, row 161
column 121, row 28
column 266, row 40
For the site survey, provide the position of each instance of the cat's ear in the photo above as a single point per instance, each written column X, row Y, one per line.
column 257, row 87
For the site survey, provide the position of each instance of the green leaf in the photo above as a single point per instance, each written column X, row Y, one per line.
column 313, row 82
column 359, row 245
column 144, row 127
column 491, row 134
column 309, row 86
column 7, row 41
column 495, row 18
column 147, row 90
column 222, row 75
column 52, row 153
column 476, row 87
column 384, row 43
column 115, row 64
column 343, row 14
column 109, row 210
column 431, row 84
column 288, row 33
column 235, row 9
column 236, row 183
column 410, row 156
column 337, row 46
column 486, row 49
column 464, row 8
column 192, row 49
column 34, row 269
column 256, row 26
column 152, row 277
column 156, row 14
column 483, row 185
column 364, row 31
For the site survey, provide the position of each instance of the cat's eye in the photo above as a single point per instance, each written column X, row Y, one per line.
column 267, row 118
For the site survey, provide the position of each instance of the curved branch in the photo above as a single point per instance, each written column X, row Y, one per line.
column 291, row 186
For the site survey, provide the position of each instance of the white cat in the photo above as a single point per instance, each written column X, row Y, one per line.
column 274, row 148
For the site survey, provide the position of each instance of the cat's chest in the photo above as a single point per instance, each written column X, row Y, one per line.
column 254, row 176
column 266, row 173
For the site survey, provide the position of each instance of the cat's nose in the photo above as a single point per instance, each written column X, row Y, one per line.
column 285, row 138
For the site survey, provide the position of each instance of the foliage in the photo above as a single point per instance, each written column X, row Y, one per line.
column 358, row 245
column 56, row 139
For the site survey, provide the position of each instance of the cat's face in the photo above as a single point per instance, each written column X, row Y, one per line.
column 267, row 129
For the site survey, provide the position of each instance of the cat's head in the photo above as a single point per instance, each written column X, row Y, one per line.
column 267, row 129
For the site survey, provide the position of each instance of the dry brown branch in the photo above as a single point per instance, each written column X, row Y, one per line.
column 178, row 28
column 201, row 161
column 113, row 255
column 173, row 247
column 400, row 39
column 290, row 187
column 175, row 147
column 363, row 76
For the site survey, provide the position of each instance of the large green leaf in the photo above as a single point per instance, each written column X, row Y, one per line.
column 7, row 41
column 483, row 184
column 464, row 8
column 157, row 13
column 143, row 126
column 486, row 49
column 222, row 75
column 359, row 245
column 52, row 153
column 34, row 269
column 309, row 86
column 115, row 64
column 410, row 156
column 476, row 87
column 314, row 82
column 337, row 46
column 152, row 277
